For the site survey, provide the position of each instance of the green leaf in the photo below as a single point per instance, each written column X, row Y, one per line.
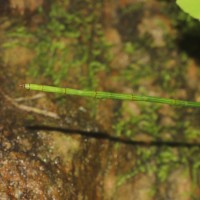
column 192, row 7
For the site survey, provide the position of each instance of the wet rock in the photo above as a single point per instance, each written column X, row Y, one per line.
column 25, row 177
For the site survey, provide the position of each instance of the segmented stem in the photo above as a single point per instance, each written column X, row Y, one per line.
column 109, row 95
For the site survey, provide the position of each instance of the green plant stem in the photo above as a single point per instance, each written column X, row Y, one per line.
column 109, row 95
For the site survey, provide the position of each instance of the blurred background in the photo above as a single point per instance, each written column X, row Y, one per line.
column 65, row 147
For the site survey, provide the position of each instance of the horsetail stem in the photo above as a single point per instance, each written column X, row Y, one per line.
column 110, row 95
